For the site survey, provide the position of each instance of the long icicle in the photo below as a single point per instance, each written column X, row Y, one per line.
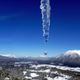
column 45, row 11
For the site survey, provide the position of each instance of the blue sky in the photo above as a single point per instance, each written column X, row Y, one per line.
column 21, row 27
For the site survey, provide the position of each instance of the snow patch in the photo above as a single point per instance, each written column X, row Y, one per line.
column 34, row 75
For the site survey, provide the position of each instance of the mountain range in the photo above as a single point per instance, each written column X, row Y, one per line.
column 69, row 58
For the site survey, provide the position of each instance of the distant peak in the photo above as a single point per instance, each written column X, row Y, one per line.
column 8, row 55
column 72, row 53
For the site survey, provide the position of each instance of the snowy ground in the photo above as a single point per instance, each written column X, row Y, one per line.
column 77, row 69
column 59, row 76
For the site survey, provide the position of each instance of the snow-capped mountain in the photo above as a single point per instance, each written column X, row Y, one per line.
column 72, row 53
column 70, row 58
column 8, row 55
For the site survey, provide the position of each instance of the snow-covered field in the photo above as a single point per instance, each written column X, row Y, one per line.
column 77, row 69
column 59, row 76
